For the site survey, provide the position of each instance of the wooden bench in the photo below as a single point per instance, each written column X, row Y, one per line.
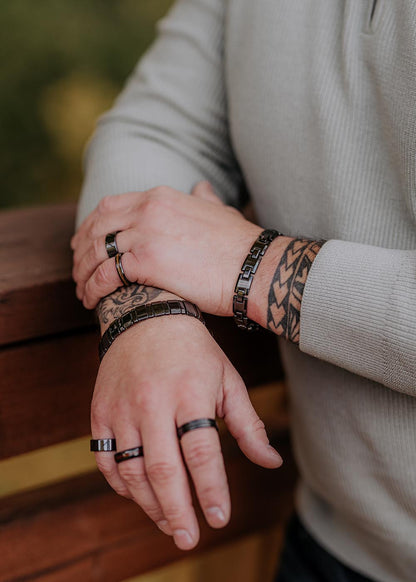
column 78, row 528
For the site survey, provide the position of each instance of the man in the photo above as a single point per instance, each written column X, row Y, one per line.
column 311, row 104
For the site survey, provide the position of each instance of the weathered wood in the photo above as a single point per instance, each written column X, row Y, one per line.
column 36, row 291
column 82, row 530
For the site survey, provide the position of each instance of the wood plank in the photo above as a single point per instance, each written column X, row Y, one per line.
column 82, row 530
column 37, row 295
column 45, row 392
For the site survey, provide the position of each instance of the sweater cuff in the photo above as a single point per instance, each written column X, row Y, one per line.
column 345, row 306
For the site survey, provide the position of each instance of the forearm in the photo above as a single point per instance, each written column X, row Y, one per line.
column 126, row 298
column 277, row 291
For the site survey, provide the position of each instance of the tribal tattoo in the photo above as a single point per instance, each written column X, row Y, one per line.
column 124, row 299
column 288, row 284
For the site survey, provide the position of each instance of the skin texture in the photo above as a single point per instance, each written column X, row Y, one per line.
column 149, row 382
column 165, row 233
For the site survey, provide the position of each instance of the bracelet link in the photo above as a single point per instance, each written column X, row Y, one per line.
column 246, row 276
column 143, row 312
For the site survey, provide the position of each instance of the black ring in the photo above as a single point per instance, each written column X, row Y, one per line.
column 120, row 270
column 128, row 454
column 103, row 445
column 198, row 423
column 111, row 244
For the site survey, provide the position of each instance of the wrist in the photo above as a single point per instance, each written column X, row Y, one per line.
column 257, row 305
column 278, row 287
column 125, row 299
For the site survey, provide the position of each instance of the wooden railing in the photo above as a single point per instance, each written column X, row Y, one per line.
column 78, row 528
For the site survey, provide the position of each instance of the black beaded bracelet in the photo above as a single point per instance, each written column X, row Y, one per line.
column 245, row 279
column 143, row 312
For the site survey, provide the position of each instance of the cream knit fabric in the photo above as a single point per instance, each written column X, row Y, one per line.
column 311, row 104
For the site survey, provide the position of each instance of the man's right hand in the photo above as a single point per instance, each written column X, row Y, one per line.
column 156, row 376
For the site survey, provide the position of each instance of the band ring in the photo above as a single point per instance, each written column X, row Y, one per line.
column 194, row 424
column 103, row 445
column 128, row 454
column 120, row 270
column 111, row 244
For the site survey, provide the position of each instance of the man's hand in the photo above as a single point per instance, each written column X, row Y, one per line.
column 155, row 377
column 192, row 245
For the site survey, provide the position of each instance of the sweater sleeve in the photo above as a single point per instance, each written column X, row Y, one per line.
column 169, row 124
column 359, row 312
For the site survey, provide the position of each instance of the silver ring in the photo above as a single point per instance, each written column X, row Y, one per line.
column 103, row 445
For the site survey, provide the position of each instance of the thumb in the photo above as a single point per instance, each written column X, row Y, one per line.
column 244, row 424
column 206, row 191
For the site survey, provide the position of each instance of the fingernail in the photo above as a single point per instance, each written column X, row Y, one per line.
column 216, row 513
column 274, row 453
column 163, row 525
column 182, row 539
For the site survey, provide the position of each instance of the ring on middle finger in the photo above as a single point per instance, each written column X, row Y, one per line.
column 194, row 424
column 111, row 244
column 128, row 454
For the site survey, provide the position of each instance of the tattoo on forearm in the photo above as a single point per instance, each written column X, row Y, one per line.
column 286, row 289
column 123, row 300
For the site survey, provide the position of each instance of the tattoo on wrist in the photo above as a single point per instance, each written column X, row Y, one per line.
column 287, row 286
column 124, row 299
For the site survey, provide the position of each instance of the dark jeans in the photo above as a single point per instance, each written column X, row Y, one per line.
column 304, row 560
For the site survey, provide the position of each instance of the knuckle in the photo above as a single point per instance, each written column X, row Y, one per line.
column 162, row 472
column 151, row 208
column 102, row 277
column 99, row 415
column 175, row 513
column 122, row 491
column 106, row 204
column 153, row 511
column 199, row 454
column 162, row 191
column 130, row 472
column 258, row 425
column 104, row 466
column 96, row 248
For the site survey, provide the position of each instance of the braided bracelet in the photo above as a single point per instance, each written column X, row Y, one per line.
column 246, row 276
column 143, row 312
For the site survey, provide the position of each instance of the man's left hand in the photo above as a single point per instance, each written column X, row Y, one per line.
column 193, row 246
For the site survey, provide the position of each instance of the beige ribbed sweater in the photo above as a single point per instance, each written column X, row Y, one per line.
column 313, row 102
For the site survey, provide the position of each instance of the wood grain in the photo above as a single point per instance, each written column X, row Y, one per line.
column 82, row 530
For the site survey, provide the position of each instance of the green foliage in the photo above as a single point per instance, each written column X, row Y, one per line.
column 62, row 63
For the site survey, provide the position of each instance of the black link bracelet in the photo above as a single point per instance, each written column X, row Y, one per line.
column 143, row 312
column 245, row 279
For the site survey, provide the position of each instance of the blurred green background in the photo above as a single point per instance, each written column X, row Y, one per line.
column 63, row 63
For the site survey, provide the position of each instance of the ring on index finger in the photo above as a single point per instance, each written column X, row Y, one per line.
column 194, row 424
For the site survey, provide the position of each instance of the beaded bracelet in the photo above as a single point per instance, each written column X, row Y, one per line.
column 143, row 312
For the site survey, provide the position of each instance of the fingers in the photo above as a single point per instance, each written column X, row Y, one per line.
column 206, row 191
column 105, row 461
column 245, row 425
column 202, row 453
column 95, row 255
column 110, row 210
column 105, row 279
column 133, row 475
column 168, row 478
